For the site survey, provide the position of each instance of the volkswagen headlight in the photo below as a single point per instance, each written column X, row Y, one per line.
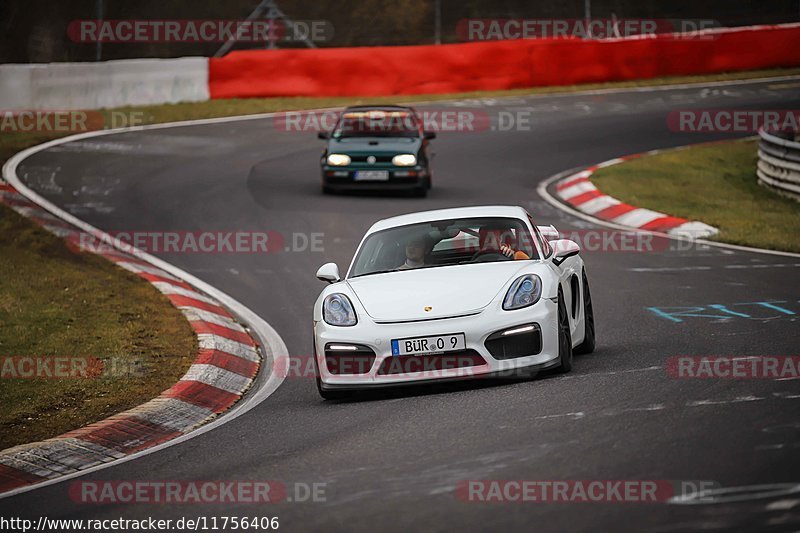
column 338, row 160
column 524, row 292
column 404, row 160
column 338, row 311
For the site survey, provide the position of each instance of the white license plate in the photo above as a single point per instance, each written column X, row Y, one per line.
column 372, row 175
column 429, row 345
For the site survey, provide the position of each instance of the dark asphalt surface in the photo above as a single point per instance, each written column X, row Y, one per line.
column 392, row 462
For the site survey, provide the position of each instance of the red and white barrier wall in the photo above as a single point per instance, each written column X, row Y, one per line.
column 396, row 70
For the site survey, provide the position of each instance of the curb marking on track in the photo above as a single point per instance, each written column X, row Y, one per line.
column 578, row 191
column 210, row 387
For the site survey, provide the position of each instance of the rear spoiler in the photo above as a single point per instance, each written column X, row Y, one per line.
column 550, row 233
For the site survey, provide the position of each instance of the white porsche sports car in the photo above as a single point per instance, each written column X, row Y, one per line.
column 451, row 294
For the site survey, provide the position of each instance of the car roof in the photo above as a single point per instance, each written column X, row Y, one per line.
column 499, row 211
column 378, row 108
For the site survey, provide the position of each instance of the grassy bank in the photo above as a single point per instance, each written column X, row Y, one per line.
column 714, row 183
column 58, row 303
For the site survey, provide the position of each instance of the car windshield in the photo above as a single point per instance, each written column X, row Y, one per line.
column 444, row 243
column 377, row 123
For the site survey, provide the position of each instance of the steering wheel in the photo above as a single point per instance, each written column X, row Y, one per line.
column 482, row 257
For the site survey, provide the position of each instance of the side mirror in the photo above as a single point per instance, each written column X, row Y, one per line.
column 329, row 272
column 428, row 134
column 323, row 135
column 549, row 232
column 564, row 249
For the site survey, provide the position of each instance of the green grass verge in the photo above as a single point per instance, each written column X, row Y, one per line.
column 713, row 183
column 58, row 303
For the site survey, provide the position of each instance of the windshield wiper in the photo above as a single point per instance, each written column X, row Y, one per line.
column 377, row 272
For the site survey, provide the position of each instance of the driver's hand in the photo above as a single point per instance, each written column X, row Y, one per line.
column 506, row 250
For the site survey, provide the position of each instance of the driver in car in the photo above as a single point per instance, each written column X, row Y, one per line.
column 415, row 254
column 499, row 241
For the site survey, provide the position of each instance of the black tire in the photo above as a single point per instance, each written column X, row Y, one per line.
column 332, row 394
column 587, row 346
column 326, row 189
column 419, row 192
column 564, row 337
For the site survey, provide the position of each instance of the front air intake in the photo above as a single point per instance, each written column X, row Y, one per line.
column 346, row 358
column 519, row 341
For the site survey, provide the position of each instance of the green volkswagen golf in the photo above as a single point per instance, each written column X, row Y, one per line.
column 377, row 148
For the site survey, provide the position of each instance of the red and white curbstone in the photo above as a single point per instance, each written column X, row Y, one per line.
column 578, row 191
column 224, row 369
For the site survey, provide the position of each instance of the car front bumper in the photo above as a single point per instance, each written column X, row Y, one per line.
column 476, row 328
column 399, row 177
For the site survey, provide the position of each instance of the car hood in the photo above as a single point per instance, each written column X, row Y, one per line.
column 448, row 291
column 374, row 144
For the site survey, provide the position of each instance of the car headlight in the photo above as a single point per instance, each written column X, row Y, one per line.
column 524, row 292
column 338, row 160
column 404, row 160
column 338, row 311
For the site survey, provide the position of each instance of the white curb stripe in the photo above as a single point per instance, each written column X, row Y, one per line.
column 194, row 314
column 610, row 162
column 172, row 413
column 694, row 229
column 169, row 288
column 209, row 341
column 41, row 459
column 97, row 448
column 577, row 190
column 638, row 217
column 31, row 468
column 64, row 455
column 595, row 205
column 218, row 377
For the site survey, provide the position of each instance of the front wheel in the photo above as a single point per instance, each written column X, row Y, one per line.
column 587, row 346
column 564, row 337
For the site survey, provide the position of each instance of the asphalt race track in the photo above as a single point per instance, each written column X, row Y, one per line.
column 392, row 462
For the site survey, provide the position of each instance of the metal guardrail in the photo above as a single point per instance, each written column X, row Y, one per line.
column 779, row 164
